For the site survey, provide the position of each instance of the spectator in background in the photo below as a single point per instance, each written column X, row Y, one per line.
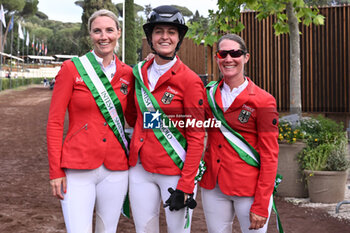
column 45, row 82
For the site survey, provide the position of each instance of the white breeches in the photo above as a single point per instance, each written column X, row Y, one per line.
column 147, row 191
column 220, row 210
column 86, row 189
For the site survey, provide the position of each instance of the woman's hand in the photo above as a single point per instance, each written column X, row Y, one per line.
column 149, row 56
column 256, row 221
column 58, row 186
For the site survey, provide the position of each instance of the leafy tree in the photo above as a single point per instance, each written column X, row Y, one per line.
column 288, row 14
column 148, row 9
column 184, row 10
column 139, row 22
column 41, row 15
column 130, row 45
column 30, row 8
column 60, row 37
column 66, row 40
column 79, row 3
column 13, row 5
column 196, row 17
column 199, row 20
column 43, row 33
column 89, row 7
column 137, row 8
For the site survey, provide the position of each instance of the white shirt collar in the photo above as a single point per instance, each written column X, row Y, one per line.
column 100, row 60
column 155, row 71
column 228, row 96
column 108, row 70
column 234, row 90
column 161, row 69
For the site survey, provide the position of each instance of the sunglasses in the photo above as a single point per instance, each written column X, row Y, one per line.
column 221, row 54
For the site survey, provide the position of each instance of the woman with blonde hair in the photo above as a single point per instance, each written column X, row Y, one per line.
column 90, row 168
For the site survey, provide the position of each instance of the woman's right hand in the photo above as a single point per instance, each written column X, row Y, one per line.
column 58, row 186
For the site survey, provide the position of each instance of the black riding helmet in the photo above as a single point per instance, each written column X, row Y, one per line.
column 166, row 15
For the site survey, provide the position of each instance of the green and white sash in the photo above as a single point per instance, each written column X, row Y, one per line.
column 172, row 140
column 104, row 95
column 107, row 101
column 245, row 151
column 170, row 137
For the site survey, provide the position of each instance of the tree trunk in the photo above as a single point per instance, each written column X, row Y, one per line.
column 130, row 43
column 294, row 57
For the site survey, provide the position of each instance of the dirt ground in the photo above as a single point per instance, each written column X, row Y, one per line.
column 26, row 204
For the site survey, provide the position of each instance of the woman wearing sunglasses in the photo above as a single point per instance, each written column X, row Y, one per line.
column 241, row 156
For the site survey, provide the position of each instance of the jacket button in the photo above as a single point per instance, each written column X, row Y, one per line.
column 105, row 123
column 218, row 160
column 104, row 140
column 220, row 146
column 141, row 139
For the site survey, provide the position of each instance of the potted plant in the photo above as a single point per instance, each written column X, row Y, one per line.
column 291, row 143
column 324, row 160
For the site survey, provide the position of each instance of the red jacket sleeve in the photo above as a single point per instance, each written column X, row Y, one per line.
column 194, row 110
column 267, row 147
column 62, row 93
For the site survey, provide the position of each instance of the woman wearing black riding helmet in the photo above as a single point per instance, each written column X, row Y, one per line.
column 167, row 143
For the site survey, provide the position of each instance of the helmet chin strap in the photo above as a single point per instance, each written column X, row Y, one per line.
column 164, row 57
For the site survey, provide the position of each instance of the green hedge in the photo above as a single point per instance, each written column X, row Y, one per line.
column 6, row 83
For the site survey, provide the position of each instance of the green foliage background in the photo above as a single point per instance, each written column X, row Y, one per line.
column 73, row 38
column 130, row 39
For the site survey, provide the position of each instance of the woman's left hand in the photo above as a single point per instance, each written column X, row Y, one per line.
column 149, row 56
column 256, row 221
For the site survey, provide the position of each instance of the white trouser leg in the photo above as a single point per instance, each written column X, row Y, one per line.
column 78, row 203
column 144, row 200
column 110, row 195
column 84, row 187
column 147, row 191
column 220, row 209
column 175, row 219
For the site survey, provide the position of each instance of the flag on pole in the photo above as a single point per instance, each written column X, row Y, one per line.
column 43, row 46
column 20, row 32
column 37, row 44
column 33, row 42
column 45, row 49
column 2, row 15
column 27, row 41
column 11, row 24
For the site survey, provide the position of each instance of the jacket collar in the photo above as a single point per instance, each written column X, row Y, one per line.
column 165, row 77
column 243, row 97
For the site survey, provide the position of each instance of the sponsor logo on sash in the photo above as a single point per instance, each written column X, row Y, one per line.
column 167, row 98
column 244, row 116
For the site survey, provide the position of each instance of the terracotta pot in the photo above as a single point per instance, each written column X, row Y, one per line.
column 326, row 186
column 293, row 183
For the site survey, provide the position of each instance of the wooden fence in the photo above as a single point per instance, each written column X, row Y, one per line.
column 194, row 56
column 325, row 60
